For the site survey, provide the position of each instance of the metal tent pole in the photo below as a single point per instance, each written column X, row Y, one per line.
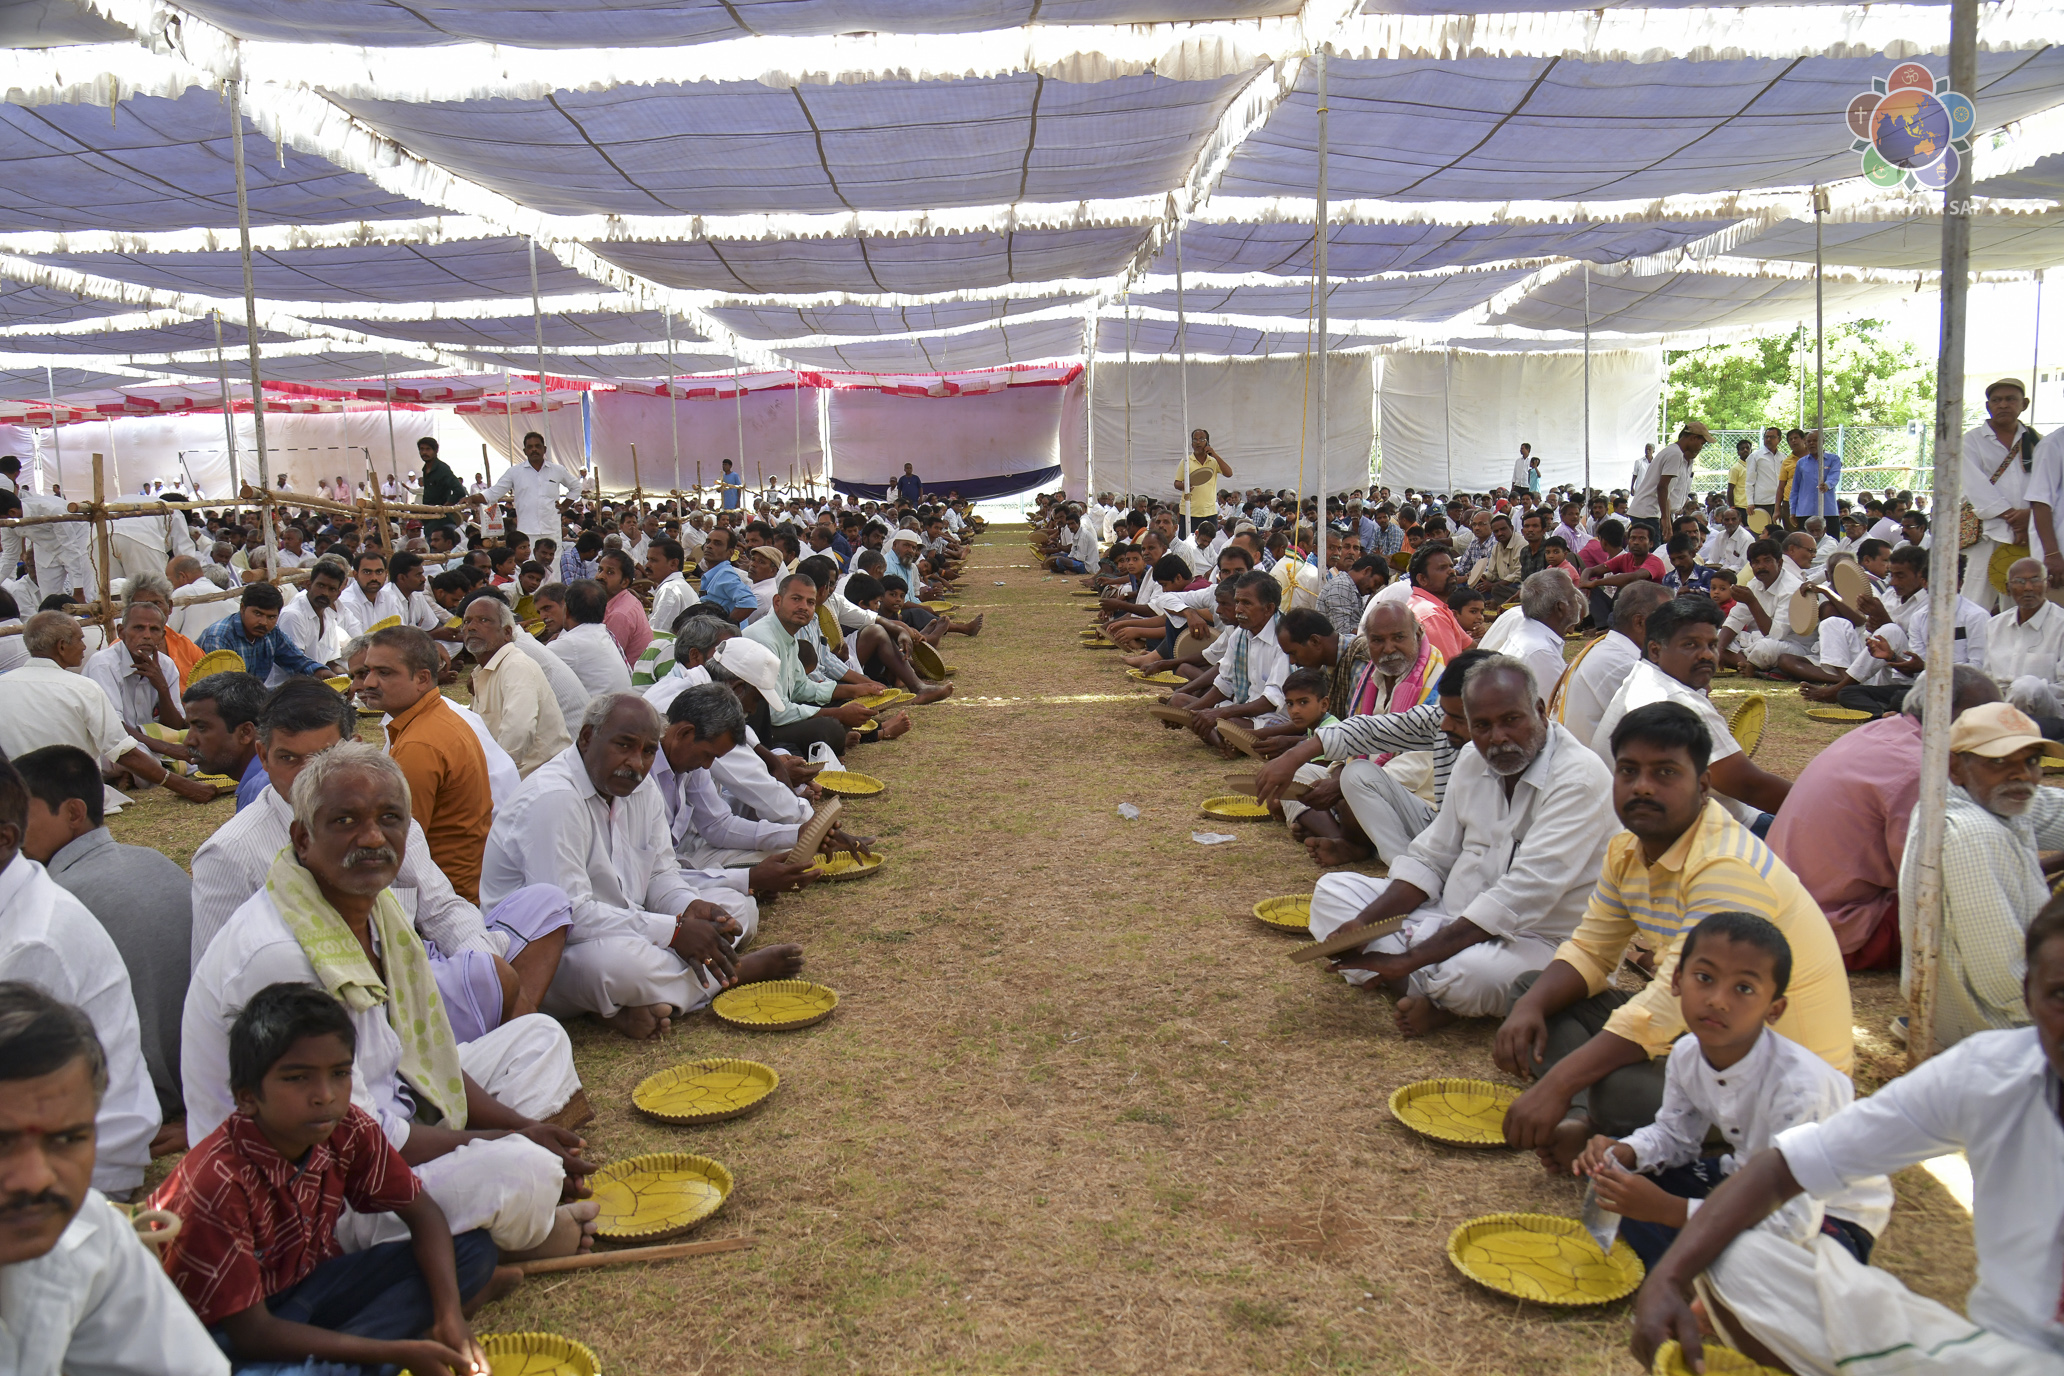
column 1587, row 384
column 1942, row 560
column 673, row 398
column 2035, row 352
column 243, row 199
column 738, row 400
column 56, row 431
column 1447, row 407
column 1089, row 416
column 1319, row 265
column 1182, row 354
column 1128, row 401
column 537, row 320
column 236, row 479
column 1820, row 208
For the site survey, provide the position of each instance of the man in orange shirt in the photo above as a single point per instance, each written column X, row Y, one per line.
column 437, row 751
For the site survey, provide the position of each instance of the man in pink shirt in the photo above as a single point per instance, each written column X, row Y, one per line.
column 625, row 616
column 1842, row 828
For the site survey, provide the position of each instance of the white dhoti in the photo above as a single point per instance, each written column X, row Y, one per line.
column 608, row 974
column 1388, row 811
column 1826, row 1314
column 698, row 854
column 1978, row 574
column 1476, row 982
column 1307, row 774
column 510, row 1185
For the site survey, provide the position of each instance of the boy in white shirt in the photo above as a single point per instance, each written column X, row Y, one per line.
column 1736, row 1073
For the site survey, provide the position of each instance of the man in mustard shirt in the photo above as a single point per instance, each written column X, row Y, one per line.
column 1596, row 1054
column 1199, row 476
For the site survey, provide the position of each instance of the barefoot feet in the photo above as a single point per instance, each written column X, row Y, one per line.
column 1332, row 850
column 773, row 962
column 1417, row 1016
column 643, row 1023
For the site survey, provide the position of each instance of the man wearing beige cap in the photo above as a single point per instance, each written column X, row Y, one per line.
column 1999, row 459
column 1998, row 820
column 1667, row 481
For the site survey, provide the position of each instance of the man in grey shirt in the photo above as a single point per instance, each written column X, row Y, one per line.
column 143, row 899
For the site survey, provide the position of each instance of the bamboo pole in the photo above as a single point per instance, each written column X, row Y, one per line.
column 379, row 505
column 637, row 479
column 623, row 1256
column 103, row 545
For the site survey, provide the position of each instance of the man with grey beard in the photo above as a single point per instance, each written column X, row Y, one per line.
column 1998, row 821
column 1501, row 877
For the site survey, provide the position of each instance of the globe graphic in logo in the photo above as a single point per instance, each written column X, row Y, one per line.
column 1910, row 129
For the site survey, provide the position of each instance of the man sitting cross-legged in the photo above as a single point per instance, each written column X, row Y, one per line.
column 260, row 1198
column 1409, row 703
column 80, row 1293
column 1500, row 876
column 1249, row 684
column 1817, row 1312
column 1598, row 1052
column 464, row 1115
column 488, row 971
column 648, row 942
column 705, row 723
column 872, row 649
column 810, row 710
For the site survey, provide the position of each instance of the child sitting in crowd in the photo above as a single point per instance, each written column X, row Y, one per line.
column 1304, row 702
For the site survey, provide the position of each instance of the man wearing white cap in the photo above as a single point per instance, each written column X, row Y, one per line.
column 1998, row 821
column 1999, row 462
column 902, row 554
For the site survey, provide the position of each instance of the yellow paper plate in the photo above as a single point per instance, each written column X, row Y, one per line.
column 1099, row 644
column 1836, row 714
column 775, row 1005
column 1720, row 1361
column 708, row 1091
column 1085, row 592
column 846, row 865
column 383, row 623
column 215, row 662
column 1236, row 807
column 886, row 698
column 661, row 1195
column 159, row 732
column 949, row 669
column 340, row 684
column 926, row 661
column 939, row 606
column 537, row 1354
column 1290, row 913
column 1468, row 1113
column 897, row 697
column 1746, row 722
column 844, row 783
column 1167, row 678
column 1543, row 1259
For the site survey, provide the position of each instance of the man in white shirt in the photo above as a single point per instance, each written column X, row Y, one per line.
column 313, row 621
column 61, row 550
column 191, row 617
column 586, row 646
column 2028, row 637
column 1662, row 488
column 52, row 941
column 1549, row 605
column 79, row 1292
column 368, row 599
column 140, row 679
column 1728, row 546
column 535, row 487
column 1999, row 457
column 1501, row 877
column 705, row 723
column 1758, row 630
column 1993, row 1097
column 1523, row 470
column 1899, row 646
column 1766, row 466
column 648, row 943
column 1595, row 675
column 510, row 693
column 671, row 595
column 1248, row 686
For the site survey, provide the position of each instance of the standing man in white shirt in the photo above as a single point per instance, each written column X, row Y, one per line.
column 1523, row 471
column 1663, row 486
column 1766, row 466
column 535, row 487
column 79, row 1292
column 1999, row 458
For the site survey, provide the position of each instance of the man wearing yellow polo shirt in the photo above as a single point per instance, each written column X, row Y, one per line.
column 1199, row 477
column 1596, row 1054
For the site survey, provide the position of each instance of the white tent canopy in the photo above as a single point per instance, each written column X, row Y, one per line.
column 620, row 194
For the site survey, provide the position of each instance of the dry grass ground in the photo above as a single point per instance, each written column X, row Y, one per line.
column 1076, row 1112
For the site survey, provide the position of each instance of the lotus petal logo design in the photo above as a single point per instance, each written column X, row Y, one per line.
column 1912, row 129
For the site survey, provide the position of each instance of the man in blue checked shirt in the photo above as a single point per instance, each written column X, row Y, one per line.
column 254, row 633
column 722, row 583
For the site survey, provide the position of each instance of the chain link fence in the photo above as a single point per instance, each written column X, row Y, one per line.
column 1874, row 457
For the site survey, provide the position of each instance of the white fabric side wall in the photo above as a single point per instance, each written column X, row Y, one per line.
column 946, row 439
column 709, row 433
column 1262, row 420
column 1074, row 440
column 1456, row 421
column 565, row 442
column 183, row 450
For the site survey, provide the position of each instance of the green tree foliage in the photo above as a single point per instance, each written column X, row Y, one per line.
column 1745, row 386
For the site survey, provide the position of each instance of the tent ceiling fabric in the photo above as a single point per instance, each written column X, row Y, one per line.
column 923, row 186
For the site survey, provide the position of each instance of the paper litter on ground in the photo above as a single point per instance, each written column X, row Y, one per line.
column 1211, row 838
column 1128, row 811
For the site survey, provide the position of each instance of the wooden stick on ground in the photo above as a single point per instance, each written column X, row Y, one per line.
column 624, row 1256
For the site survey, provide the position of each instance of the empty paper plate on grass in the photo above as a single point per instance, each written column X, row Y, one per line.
column 937, row 607
column 1543, row 1259
column 1468, row 1113
column 536, row 1354
column 1167, row 677
column 1720, row 1361
column 1844, row 714
column 775, row 1005
column 660, row 1195
column 846, row 784
column 707, row 1091
column 1290, row 913
column 846, row 865
column 1234, row 807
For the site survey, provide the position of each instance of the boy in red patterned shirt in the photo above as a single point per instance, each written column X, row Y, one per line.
column 258, row 1257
